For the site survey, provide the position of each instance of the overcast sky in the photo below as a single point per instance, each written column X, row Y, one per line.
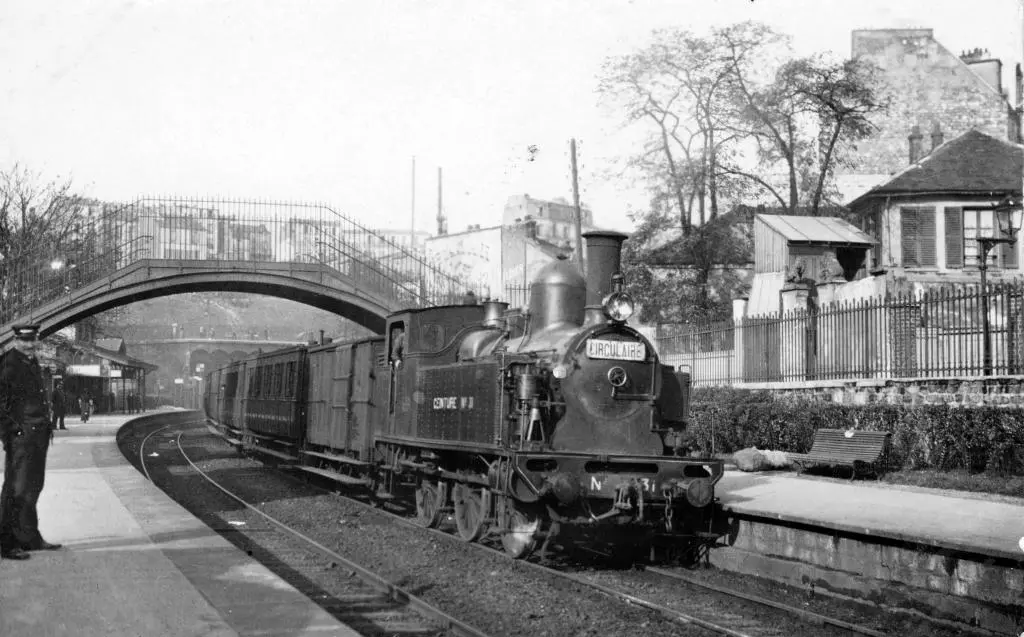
column 329, row 101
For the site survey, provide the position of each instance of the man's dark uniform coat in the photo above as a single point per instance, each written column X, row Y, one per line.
column 25, row 432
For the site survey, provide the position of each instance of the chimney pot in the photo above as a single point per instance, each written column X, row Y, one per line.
column 937, row 136
column 915, row 138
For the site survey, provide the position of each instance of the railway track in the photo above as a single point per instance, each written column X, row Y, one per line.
column 722, row 611
column 355, row 595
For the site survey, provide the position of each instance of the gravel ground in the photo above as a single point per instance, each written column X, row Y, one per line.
column 488, row 591
column 501, row 596
column 851, row 611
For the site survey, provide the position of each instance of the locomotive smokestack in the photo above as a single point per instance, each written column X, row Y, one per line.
column 604, row 258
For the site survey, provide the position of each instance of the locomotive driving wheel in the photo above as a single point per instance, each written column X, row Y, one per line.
column 430, row 499
column 520, row 528
column 472, row 509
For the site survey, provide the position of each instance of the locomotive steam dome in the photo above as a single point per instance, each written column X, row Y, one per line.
column 557, row 296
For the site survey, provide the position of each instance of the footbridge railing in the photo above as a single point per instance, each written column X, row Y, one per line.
column 227, row 234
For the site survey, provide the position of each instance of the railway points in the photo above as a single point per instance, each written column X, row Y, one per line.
column 136, row 563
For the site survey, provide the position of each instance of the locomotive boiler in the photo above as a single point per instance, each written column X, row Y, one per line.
column 523, row 424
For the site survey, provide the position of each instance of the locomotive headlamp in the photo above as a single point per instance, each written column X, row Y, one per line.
column 560, row 371
column 618, row 306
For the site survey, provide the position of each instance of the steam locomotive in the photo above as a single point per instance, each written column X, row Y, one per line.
column 525, row 424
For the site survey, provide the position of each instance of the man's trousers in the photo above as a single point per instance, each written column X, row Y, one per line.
column 24, row 472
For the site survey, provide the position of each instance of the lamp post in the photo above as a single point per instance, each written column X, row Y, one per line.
column 1007, row 233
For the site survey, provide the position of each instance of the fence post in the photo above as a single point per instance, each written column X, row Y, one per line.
column 739, row 311
column 904, row 318
column 796, row 330
column 1014, row 328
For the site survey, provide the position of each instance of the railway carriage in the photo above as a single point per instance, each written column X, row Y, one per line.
column 524, row 424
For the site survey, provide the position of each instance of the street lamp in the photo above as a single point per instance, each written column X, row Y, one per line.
column 1007, row 233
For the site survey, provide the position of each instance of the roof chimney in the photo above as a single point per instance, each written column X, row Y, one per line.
column 937, row 136
column 531, row 229
column 915, row 137
column 1019, row 85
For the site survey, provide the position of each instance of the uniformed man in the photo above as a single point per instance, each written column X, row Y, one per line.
column 25, row 432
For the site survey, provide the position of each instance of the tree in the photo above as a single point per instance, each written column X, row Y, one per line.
column 802, row 120
column 692, row 279
column 676, row 88
column 34, row 215
column 734, row 115
column 37, row 218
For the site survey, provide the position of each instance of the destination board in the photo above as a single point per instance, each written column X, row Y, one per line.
column 616, row 350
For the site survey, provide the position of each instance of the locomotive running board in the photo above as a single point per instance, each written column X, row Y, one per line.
column 271, row 452
column 335, row 457
column 333, row 475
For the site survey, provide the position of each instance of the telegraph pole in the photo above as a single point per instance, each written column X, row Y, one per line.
column 412, row 221
column 442, row 224
column 576, row 216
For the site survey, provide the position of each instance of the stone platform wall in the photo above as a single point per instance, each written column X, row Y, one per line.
column 954, row 588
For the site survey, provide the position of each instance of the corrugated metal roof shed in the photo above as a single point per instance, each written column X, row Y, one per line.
column 816, row 230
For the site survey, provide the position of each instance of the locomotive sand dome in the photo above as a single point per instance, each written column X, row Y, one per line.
column 527, row 429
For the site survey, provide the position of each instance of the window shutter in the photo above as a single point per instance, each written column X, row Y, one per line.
column 926, row 234
column 954, row 237
column 1010, row 255
column 908, row 231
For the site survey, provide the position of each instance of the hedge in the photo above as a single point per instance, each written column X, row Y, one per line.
column 940, row 437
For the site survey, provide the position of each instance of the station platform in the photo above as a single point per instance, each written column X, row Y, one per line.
column 135, row 563
column 991, row 526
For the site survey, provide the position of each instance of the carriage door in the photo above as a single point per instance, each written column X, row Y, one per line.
column 341, row 392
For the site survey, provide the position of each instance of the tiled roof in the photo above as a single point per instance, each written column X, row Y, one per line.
column 798, row 229
column 973, row 163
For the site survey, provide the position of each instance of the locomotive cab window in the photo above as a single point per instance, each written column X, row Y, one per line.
column 431, row 338
column 396, row 350
column 396, row 342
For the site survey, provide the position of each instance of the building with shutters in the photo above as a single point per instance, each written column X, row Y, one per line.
column 924, row 234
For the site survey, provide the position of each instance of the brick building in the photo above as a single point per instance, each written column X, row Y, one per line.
column 935, row 95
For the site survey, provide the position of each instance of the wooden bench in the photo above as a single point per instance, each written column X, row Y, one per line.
column 861, row 451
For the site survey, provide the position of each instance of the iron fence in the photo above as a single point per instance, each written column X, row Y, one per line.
column 517, row 295
column 939, row 332
column 224, row 231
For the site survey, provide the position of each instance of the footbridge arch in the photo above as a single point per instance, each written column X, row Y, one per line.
column 308, row 253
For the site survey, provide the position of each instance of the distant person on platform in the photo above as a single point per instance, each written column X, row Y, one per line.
column 25, row 431
column 85, row 404
column 59, row 403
